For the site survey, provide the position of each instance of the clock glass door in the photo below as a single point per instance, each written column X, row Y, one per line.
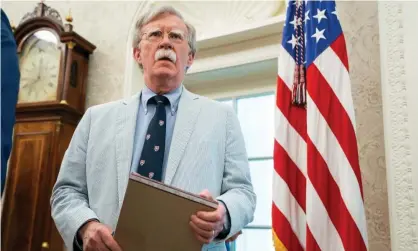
column 39, row 66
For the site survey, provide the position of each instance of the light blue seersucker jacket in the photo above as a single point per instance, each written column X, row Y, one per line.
column 207, row 152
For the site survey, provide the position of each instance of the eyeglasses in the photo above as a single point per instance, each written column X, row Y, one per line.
column 156, row 35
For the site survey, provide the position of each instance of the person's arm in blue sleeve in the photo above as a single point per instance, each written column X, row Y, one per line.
column 10, row 77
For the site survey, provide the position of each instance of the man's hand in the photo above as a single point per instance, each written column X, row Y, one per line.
column 207, row 225
column 97, row 236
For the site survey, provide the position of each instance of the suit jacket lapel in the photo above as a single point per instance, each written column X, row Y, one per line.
column 126, row 123
column 187, row 114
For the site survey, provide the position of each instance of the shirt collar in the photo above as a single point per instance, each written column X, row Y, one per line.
column 173, row 97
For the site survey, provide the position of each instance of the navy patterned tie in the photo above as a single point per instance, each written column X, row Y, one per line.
column 152, row 156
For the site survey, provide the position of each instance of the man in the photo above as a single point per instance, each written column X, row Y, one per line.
column 165, row 133
column 10, row 76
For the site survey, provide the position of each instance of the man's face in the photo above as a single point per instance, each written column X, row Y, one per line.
column 164, row 51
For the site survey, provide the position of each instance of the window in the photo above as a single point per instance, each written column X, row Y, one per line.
column 256, row 116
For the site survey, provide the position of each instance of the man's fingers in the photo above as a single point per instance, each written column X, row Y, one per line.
column 91, row 243
column 102, row 248
column 110, row 242
column 95, row 244
column 201, row 239
column 209, row 216
column 205, row 235
column 206, row 194
column 98, row 237
column 202, row 224
column 102, row 241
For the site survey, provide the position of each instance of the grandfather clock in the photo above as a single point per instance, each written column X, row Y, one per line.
column 54, row 65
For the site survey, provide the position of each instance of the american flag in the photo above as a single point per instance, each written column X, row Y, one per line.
column 317, row 188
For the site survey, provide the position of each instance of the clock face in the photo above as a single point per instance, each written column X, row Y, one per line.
column 39, row 67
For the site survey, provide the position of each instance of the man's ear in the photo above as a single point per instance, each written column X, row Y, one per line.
column 190, row 59
column 137, row 55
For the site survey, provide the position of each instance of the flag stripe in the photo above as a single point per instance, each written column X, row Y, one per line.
column 319, row 223
column 311, row 244
column 284, row 232
column 291, row 174
column 291, row 141
column 330, row 196
column 338, row 120
column 338, row 80
column 339, row 48
column 292, row 213
column 295, row 115
column 337, row 165
column 286, row 65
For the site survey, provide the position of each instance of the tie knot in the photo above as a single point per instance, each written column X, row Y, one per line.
column 160, row 100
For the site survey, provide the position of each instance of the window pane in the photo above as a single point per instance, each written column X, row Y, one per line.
column 261, row 177
column 255, row 239
column 256, row 116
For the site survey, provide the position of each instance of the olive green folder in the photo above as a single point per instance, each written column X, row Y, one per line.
column 155, row 217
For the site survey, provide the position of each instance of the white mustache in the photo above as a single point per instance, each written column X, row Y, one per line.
column 166, row 53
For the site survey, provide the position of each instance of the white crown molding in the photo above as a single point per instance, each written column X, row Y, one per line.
column 245, row 52
column 401, row 191
column 214, row 19
column 267, row 27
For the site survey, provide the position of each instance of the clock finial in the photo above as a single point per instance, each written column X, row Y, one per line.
column 69, row 18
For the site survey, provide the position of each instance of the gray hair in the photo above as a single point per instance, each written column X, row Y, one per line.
column 152, row 14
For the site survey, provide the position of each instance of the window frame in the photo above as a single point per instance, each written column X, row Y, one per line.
column 235, row 100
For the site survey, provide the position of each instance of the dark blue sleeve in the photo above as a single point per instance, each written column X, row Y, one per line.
column 10, row 77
